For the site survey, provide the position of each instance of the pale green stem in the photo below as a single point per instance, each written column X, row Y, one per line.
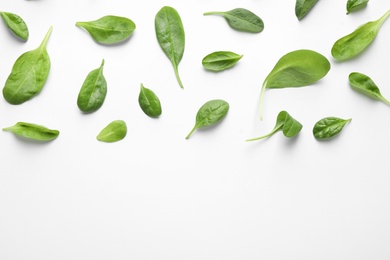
column 210, row 13
column 192, row 131
column 383, row 18
column 46, row 39
column 264, row 136
column 177, row 76
column 261, row 100
column 384, row 100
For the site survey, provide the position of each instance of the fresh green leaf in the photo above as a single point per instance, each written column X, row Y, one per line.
column 113, row 132
column 355, row 4
column 365, row 85
column 329, row 127
column 33, row 131
column 93, row 91
column 241, row 19
column 109, row 29
column 296, row 69
column 149, row 102
column 220, row 60
column 302, row 7
column 170, row 35
column 356, row 42
column 29, row 74
column 209, row 114
column 16, row 24
column 284, row 122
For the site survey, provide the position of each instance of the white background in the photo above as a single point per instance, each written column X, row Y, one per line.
column 155, row 195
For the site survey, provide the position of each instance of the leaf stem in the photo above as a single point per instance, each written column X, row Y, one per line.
column 178, row 76
column 46, row 39
column 192, row 131
column 261, row 99
column 211, row 13
column 383, row 18
column 384, row 100
column 264, row 136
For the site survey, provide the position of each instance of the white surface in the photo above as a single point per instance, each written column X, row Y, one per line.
column 155, row 195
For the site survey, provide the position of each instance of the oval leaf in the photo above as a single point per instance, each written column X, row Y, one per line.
column 33, row 131
column 113, row 132
column 170, row 35
column 220, row 60
column 353, row 5
column 109, row 29
column 302, row 7
column 329, row 127
column 16, row 24
column 241, row 19
column 29, row 74
column 149, row 102
column 210, row 113
column 365, row 85
column 93, row 91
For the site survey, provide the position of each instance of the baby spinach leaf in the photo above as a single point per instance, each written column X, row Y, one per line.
column 113, row 132
column 170, row 36
column 29, row 74
column 329, row 127
column 149, row 102
column 356, row 42
column 16, row 24
column 209, row 114
column 33, row 131
column 109, row 29
column 220, row 60
column 355, row 4
column 241, row 19
column 302, row 7
column 284, row 122
column 365, row 85
column 93, row 91
column 296, row 69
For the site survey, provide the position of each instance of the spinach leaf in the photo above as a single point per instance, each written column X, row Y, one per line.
column 113, row 132
column 16, row 24
column 220, row 60
column 29, row 74
column 149, row 102
column 93, row 91
column 355, row 4
column 33, row 131
column 356, row 42
column 329, row 127
column 296, row 69
column 302, row 7
column 365, row 85
column 241, row 19
column 170, row 36
column 209, row 114
column 284, row 122
column 109, row 29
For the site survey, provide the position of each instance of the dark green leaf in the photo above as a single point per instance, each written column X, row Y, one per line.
column 302, row 7
column 220, row 60
column 113, row 132
column 353, row 5
column 365, row 85
column 16, row 24
column 33, row 131
column 329, row 127
column 149, row 102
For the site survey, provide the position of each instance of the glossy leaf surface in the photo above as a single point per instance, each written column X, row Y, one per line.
column 365, row 85
column 149, row 102
column 329, row 127
column 302, row 7
column 220, row 60
column 113, row 132
column 33, row 131
column 355, row 4
column 16, row 24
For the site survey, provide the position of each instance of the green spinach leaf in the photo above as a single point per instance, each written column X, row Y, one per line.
column 113, row 132
column 356, row 42
column 302, row 7
column 353, row 5
column 296, row 69
column 170, row 35
column 284, row 122
column 93, row 91
column 109, row 29
column 241, row 19
column 365, row 85
column 149, row 102
column 328, row 127
column 33, row 131
column 220, row 60
column 29, row 74
column 16, row 24
column 209, row 114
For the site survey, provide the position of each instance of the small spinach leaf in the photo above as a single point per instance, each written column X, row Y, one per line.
column 355, row 4
column 170, row 35
column 365, row 85
column 16, row 24
column 302, row 7
column 210, row 113
column 113, row 132
column 220, row 60
column 29, row 74
column 284, row 122
column 296, row 69
column 356, row 42
column 329, row 127
column 149, row 102
column 33, row 131
column 109, row 29
column 93, row 91
column 241, row 19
